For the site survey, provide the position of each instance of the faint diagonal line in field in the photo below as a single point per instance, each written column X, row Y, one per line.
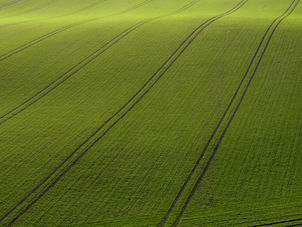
column 272, row 29
column 38, row 40
column 135, row 7
column 87, row 7
column 11, row 24
column 39, row 7
column 8, row 4
column 251, row 223
column 57, row 31
column 281, row 222
column 108, row 120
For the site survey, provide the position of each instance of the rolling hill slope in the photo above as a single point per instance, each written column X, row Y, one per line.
column 150, row 112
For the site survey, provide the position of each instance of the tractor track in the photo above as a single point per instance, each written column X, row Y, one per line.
column 57, row 31
column 130, row 104
column 281, row 222
column 121, row 35
column 273, row 27
column 80, row 65
column 199, row 159
column 38, row 40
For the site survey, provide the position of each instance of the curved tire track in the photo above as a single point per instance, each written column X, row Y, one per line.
column 120, row 36
column 273, row 27
column 119, row 114
column 57, row 31
column 131, row 103
column 80, row 65
column 65, row 76
column 281, row 222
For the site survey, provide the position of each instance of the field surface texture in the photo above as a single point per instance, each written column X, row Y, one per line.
column 150, row 112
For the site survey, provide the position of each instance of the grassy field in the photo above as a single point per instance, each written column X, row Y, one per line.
column 150, row 112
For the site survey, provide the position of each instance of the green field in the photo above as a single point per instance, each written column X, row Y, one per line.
column 150, row 112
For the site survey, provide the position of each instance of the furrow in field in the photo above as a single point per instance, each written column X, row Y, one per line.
column 229, row 113
column 80, row 65
column 74, row 70
column 81, row 150
column 65, row 28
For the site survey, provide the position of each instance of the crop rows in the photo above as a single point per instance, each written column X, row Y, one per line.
column 143, row 125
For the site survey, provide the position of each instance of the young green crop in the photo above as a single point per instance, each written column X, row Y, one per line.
column 115, row 143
